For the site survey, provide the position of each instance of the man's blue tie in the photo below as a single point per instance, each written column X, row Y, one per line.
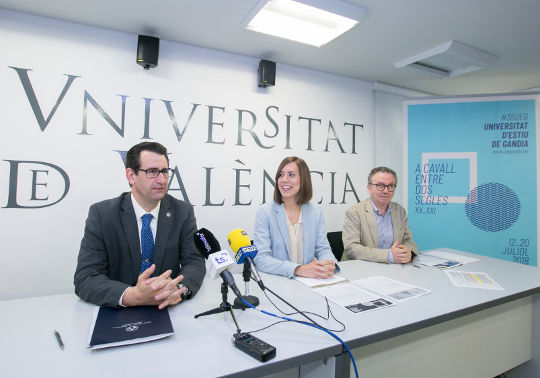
column 147, row 243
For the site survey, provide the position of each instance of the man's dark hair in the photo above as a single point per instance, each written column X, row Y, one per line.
column 133, row 157
column 306, row 190
column 374, row 171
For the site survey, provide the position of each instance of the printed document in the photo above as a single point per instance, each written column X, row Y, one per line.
column 473, row 280
column 353, row 297
column 315, row 282
column 442, row 259
column 389, row 287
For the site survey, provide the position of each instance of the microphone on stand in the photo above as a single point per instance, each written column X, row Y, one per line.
column 251, row 299
column 237, row 239
column 220, row 260
column 244, row 252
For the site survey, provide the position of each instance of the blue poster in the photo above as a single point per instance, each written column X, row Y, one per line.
column 472, row 178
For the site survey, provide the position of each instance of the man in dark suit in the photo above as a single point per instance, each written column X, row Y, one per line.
column 111, row 270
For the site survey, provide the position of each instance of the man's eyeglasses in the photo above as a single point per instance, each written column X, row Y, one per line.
column 154, row 172
column 381, row 187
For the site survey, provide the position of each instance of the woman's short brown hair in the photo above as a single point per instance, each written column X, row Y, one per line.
column 306, row 190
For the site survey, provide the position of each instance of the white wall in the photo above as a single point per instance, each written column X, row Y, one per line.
column 388, row 138
column 41, row 237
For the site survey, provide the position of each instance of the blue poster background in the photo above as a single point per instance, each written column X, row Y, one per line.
column 472, row 177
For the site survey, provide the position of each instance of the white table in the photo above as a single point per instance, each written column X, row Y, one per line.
column 452, row 331
column 202, row 347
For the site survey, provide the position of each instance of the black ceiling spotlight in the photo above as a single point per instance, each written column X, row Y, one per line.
column 147, row 51
column 267, row 73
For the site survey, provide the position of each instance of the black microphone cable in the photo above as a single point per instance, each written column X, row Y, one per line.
column 328, row 314
column 310, row 325
column 294, row 308
column 303, row 313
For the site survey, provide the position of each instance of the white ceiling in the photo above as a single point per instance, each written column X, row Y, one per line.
column 391, row 31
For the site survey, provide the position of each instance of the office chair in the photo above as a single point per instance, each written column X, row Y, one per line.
column 336, row 243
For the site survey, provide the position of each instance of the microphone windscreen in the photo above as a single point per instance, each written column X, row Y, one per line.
column 219, row 262
column 237, row 239
column 206, row 242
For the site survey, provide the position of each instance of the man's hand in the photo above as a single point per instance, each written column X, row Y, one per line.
column 160, row 291
column 400, row 253
column 316, row 269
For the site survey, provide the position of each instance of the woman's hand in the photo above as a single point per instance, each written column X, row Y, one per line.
column 316, row 269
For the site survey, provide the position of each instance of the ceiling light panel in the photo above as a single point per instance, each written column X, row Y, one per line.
column 311, row 22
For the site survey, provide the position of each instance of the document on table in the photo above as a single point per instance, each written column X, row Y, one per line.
column 442, row 260
column 389, row 287
column 476, row 280
column 353, row 297
column 450, row 256
column 315, row 282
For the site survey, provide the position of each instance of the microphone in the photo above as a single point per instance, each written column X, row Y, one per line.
column 244, row 251
column 220, row 260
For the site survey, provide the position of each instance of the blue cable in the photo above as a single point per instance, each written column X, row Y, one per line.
column 311, row 325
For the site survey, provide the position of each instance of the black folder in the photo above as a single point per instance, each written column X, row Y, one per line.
column 129, row 325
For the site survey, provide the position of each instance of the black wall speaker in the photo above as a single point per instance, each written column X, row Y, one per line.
column 147, row 51
column 267, row 73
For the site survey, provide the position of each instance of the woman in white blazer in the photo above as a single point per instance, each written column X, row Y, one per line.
column 289, row 231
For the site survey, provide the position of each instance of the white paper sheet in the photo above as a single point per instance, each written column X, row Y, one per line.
column 476, row 280
column 353, row 297
column 315, row 282
column 389, row 287
column 450, row 256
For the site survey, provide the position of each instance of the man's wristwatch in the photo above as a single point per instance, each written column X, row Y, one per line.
column 186, row 294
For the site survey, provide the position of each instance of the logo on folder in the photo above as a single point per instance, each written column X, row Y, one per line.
column 130, row 327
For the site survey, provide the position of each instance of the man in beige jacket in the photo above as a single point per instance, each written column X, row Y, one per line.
column 377, row 229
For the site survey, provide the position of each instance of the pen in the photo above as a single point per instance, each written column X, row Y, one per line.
column 59, row 339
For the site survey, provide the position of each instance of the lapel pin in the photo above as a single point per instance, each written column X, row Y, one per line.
column 168, row 215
